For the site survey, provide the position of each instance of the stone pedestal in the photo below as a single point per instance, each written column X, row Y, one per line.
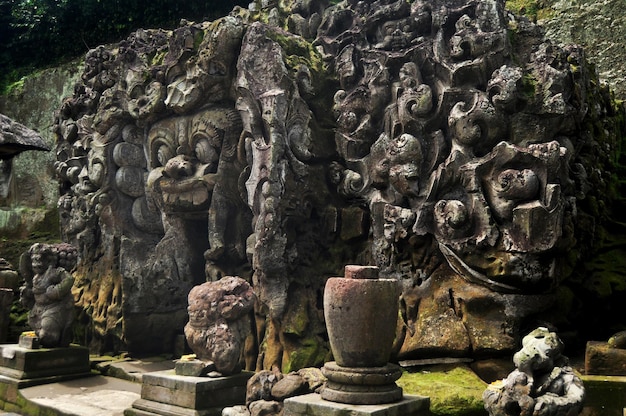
column 313, row 405
column 29, row 367
column 165, row 393
column 371, row 385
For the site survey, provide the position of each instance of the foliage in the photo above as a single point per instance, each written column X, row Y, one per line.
column 40, row 33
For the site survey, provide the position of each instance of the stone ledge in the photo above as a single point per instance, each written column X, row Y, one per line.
column 605, row 391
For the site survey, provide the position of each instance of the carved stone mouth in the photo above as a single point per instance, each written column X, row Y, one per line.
column 186, row 195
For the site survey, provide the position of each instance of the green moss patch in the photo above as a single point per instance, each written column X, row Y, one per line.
column 533, row 9
column 453, row 390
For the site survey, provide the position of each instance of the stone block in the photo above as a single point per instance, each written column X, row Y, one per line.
column 601, row 359
column 313, row 405
column 30, row 342
column 166, row 393
column 194, row 368
column 143, row 407
column 38, row 366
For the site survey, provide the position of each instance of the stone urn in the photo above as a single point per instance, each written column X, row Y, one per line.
column 361, row 312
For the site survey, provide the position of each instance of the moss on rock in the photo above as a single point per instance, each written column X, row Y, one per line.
column 454, row 390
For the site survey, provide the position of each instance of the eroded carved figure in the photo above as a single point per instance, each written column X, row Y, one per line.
column 219, row 322
column 47, row 292
column 543, row 383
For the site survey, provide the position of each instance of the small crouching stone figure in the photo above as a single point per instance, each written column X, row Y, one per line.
column 542, row 385
column 47, row 291
column 219, row 323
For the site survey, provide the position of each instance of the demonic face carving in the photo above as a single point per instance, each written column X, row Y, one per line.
column 184, row 154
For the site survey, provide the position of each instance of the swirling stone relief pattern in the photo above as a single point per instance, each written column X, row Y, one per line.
column 441, row 141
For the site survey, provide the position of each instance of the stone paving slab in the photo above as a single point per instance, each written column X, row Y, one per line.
column 133, row 370
column 91, row 396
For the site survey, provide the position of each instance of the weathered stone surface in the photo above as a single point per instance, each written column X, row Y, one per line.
column 445, row 142
column 265, row 408
column 291, row 385
column 236, row 411
column 313, row 377
column 260, row 386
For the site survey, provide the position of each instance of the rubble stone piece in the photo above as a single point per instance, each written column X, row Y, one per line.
column 219, row 323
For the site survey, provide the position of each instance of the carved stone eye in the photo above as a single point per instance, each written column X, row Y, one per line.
column 205, row 153
column 136, row 92
column 518, row 184
column 452, row 213
column 163, row 154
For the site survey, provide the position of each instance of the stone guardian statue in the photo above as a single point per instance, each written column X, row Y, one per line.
column 542, row 384
column 47, row 292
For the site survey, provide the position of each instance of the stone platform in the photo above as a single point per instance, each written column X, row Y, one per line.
column 29, row 367
column 165, row 393
column 313, row 405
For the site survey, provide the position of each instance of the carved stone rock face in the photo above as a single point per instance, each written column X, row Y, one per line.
column 446, row 142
